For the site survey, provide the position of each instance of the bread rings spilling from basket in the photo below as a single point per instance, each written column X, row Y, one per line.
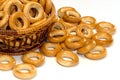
column 69, row 35
column 22, row 14
column 80, row 34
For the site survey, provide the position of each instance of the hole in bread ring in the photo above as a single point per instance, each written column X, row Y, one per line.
column 6, row 62
column 67, row 58
column 97, row 52
column 16, row 4
column 57, row 36
column 24, row 71
column 37, row 10
column 18, row 17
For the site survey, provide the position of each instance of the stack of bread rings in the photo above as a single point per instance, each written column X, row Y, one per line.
column 69, row 35
column 21, row 14
column 82, row 34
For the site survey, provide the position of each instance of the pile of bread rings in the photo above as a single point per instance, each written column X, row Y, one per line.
column 22, row 14
column 69, row 35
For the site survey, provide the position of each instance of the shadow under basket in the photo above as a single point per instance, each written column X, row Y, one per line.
column 14, row 42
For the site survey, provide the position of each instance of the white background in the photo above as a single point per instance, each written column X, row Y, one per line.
column 105, row 69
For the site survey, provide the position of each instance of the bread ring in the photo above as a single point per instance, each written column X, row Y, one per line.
column 34, row 58
column 48, row 6
column 84, row 30
column 89, row 20
column 62, row 10
column 69, row 55
column 74, row 42
column 38, row 9
column 42, row 2
column 57, row 36
column 18, row 16
column 103, row 39
column 50, row 49
column 26, row 1
column 89, row 45
column 98, row 52
column 57, row 26
column 6, row 62
column 2, row 1
column 24, row 71
column 105, row 27
column 3, row 4
column 16, row 3
column 72, row 31
column 67, row 24
column 72, row 16
column 3, row 18
column 64, row 47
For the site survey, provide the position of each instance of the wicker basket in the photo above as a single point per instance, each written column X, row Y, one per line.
column 19, row 42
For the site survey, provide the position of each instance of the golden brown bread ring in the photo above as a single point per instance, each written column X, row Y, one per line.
column 57, row 26
column 19, row 71
column 67, row 24
column 84, row 30
column 4, row 18
column 3, row 4
column 18, row 5
column 72, row 31
column 89, row 20
column 20, row 17
column 2, row 1
column 38, row 9
column 105, row 27
column 42, row 2
column 6, row 62
column 89, row 45
column 50, row 49
column 34, row 58
column 62, row 10
column 64, row 47
column 74, row 42
column 57, row 36
column 103, row 39
column 98, row 52
column 67, row 54
column 26, row 1
column 72, row 16
column 48, row 6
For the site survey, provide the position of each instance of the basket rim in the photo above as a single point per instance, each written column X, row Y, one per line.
column 30, row 29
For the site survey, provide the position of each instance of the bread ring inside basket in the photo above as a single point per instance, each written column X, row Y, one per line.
column 23, row 38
